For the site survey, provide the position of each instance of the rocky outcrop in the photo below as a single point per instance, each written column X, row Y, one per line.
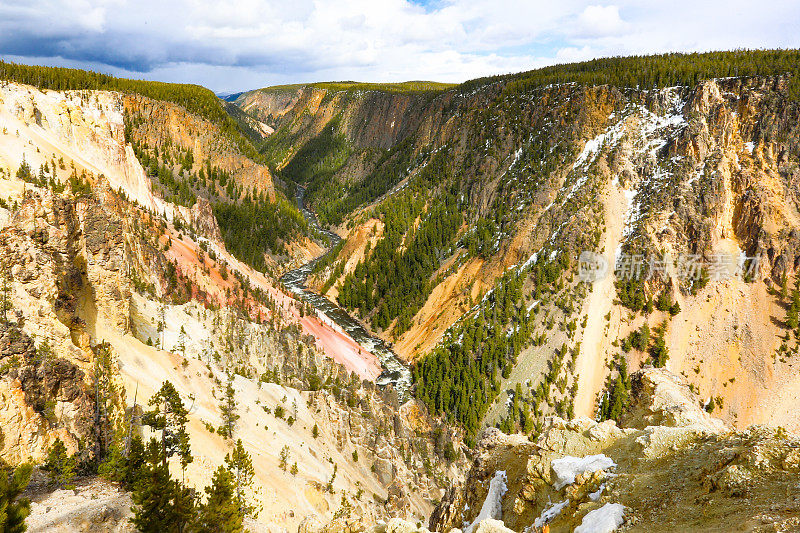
column 685, row 465
column 368, row 118
column 270, row 105
column 202, row 220
column 661, row 398
column 405, row 454
column 65, row 263
column 84, row 126
column 45, row 397
column 94, row 505
column 392, row 460
column 42, row 377
column 397, row 525
column 731, row 176
column 79, row 253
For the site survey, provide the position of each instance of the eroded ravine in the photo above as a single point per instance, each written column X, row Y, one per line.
column 394, row 371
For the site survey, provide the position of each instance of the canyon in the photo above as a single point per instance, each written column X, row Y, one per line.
column 386, row 282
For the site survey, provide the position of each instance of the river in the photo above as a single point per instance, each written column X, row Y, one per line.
column 394, row 371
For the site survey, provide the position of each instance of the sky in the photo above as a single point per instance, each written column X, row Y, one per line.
column 231, row 46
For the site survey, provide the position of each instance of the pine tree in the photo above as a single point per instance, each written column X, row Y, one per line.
column 161, row 326
column 124, row 468
column 794, row 310
column 161, row 504
column 170, row 417
column 184, row 506
column 24, row 172
column 44, row 357
column 181, row 346
column 105, row 394
column 240, row 465
column 114, row 466
column 284, row 458
column 329, row 486
column 641, row 339
column 13, row 510
column 659, row 351
column 134, row 462
column 220, row 513
column 60, row 466
column 228, row 410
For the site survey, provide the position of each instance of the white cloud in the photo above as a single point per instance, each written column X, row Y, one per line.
column 238, row 44
column 598, row 21
column 572, row 54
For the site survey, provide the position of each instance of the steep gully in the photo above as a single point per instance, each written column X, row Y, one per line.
column 394, row 371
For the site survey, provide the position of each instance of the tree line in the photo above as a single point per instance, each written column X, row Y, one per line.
column 253, row 227
column 459, row 379
column 655, row 71
column 194, row 98
column 394, row 280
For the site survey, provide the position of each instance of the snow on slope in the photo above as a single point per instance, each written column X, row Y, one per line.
column 492, row 505
column 549, row 513
column 603, row 520
column 567, row 468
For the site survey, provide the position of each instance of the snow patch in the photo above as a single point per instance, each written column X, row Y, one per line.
column 517, row 155
column 592, row 147
column 531, row 260
column 631, row 216
column 603, row 520
column 492, row 505
column 591, row 150
column 549, row 513
column 697, row 176
column 596, row 495
column 567, row 468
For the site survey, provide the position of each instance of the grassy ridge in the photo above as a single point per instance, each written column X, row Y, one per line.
column 400, row 87
column 656, row 71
